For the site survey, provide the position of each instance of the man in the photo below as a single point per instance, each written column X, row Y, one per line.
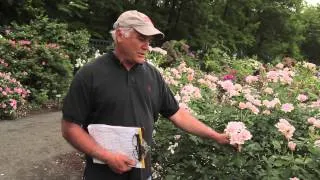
column 121, row 89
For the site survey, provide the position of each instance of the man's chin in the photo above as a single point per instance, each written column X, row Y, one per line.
column 140, row 60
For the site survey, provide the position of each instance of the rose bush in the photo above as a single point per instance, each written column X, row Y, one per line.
column 280, row 107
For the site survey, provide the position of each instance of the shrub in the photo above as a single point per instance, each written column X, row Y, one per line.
column 45, row 70
column 12, row 96
column 42, row 55
column 43, row 30
column 216, row 60
column 177, row 51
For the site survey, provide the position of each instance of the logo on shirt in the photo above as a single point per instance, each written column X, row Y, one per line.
column 149, row 88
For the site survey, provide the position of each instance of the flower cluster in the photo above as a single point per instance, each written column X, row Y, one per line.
column 315, row 104
column 283, row 76
column 230, row 88
column 12, row 94
column 287, row 107
column 317, row 143
column 302, row 97
column 158, row 50
column 237, row 133
column 188, row 92
column 209, row 81
column 313, row 121
column 3, row 63
column 310, row 66
column 81, row 62
column 172, row 147
column 252, row 79
column 285, row 128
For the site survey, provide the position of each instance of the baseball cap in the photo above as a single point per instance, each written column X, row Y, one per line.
column 138, row 21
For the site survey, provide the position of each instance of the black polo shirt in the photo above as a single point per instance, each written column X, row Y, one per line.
column 104, row 92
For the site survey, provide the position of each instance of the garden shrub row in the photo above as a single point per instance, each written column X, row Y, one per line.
column 41, row 57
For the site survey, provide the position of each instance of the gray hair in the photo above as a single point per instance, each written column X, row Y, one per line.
column 126, row 32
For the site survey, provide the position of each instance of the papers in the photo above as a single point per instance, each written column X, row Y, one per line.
column 120, row 139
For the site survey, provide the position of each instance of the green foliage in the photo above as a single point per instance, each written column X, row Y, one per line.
column 44, row 30
column 216, row 60
column 246, row 28
column 310, row 47
column 20, row 11
column 178, row 51
column 282, row 38
column 305, row 81
column 245, row 67
column 264, row 28
column 26, row 10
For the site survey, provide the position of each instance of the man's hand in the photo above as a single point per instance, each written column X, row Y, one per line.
column 120, row 163
column 222, row 138
column 82, row 141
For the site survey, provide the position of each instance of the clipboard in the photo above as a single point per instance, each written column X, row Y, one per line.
column 127, row 140
column 140, row 149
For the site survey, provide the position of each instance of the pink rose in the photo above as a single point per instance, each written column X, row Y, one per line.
column 292, row 145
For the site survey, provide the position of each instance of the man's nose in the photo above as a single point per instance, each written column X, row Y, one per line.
column 145, row 45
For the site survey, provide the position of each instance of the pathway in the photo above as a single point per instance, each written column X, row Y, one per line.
column 32, row 148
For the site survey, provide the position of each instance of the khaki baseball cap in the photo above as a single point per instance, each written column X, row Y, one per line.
column 138, row 21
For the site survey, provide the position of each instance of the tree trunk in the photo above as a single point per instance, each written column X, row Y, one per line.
column 172, row 12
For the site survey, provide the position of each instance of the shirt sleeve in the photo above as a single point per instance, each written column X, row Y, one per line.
column 77, row 103
column 169, row 104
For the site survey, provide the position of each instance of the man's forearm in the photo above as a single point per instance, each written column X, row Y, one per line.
column 187, row 122
column 82, row 141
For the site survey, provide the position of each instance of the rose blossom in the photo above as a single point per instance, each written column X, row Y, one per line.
column 285, row 128
column 268, row 90
column 294, row 178
column 292, row 145
column 237, row 132
column 279, row 66
column 287, row 107
column 302, row 97
column 316, row 123
column 242, row 105
column 311, row 120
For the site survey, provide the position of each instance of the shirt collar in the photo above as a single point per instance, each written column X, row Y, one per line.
column 119, row 64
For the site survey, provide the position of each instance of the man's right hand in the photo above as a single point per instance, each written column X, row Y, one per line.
column 82, row 141
column 222, row 138
column 120, row 163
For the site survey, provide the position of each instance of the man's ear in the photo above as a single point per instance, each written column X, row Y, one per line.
column 119, row 35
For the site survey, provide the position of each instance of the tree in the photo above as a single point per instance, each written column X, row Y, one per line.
column 310, row 47
column 280, row 30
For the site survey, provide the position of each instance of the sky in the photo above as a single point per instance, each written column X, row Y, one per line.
column 312, row 2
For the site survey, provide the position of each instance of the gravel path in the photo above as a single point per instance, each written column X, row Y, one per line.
column 32, row 148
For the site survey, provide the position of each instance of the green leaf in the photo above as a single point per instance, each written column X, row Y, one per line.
column 276, row 144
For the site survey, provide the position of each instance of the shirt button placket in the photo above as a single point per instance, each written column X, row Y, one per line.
column 131, row 79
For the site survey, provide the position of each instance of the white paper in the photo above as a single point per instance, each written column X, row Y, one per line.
column 118, row 139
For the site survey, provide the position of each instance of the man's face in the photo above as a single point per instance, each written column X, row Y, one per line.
column 134, row 47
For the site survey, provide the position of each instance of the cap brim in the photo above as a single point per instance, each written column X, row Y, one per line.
column 148, row 30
